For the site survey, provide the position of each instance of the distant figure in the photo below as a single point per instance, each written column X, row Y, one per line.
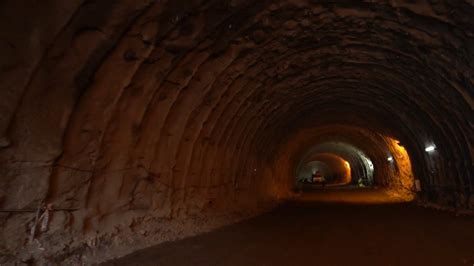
column 360, row 182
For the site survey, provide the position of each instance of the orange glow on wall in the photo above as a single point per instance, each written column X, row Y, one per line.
column 346, row 163
column 403, row 162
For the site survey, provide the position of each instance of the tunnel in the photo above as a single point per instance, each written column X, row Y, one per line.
column 127, row 124
column 341, row 162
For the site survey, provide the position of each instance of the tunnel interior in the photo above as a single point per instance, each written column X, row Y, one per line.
column 334, row 169
column 129, row 123
column 340, row 162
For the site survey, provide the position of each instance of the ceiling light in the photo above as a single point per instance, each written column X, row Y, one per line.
column 390, row 159
column 430, row 148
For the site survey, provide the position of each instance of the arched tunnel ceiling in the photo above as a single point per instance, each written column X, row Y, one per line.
column 116, row 106
column 296, row 56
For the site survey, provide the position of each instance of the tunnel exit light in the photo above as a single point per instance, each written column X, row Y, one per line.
column 430, row 148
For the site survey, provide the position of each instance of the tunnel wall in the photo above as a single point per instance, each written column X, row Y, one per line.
column 130, row 141
column 133, row 117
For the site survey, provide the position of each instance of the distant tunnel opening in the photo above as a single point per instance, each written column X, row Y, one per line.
column 374, row 159
column 333, row 169
column 359, row 165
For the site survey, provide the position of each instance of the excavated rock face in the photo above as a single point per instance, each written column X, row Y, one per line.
column 131, row 117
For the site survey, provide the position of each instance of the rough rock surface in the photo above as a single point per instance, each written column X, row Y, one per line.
column 138, row 115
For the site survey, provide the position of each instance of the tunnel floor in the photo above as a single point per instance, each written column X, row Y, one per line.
column 318, row 228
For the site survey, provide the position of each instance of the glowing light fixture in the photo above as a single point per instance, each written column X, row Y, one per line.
column 390, row 159
column 347, row 164
column 430, row 148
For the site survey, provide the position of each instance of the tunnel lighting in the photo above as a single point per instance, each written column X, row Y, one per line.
column 390, row 159
column 430, row 148
column 347, row 164
column 371, row 166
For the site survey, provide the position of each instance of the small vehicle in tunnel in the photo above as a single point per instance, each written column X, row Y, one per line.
column 318, row 178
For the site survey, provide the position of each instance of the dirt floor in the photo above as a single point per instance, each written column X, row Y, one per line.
column 335, row 227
